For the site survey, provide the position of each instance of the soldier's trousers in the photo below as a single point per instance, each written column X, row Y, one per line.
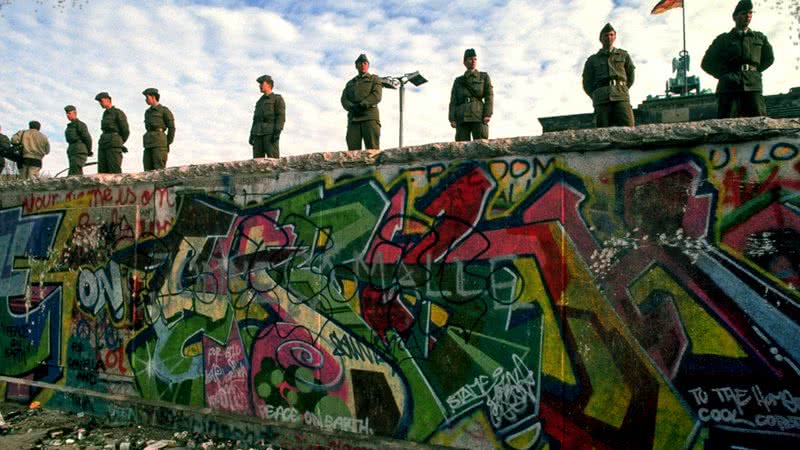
column 264, row 147
column 109, row 160
column 155, row 158
column 740, row 104
column 76, row 163
column 368, row 130
column 30, row 171
column 478, row 130
column 613, row 114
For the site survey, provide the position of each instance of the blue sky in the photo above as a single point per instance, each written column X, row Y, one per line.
column 204, row 57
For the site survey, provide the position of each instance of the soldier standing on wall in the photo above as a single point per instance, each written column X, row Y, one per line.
column 471, row 101
column 79, row 141
column 360, row 98
column 736, row 59
column 157, row 119
column 607, row 76
column 268, row 120
column 111, row 145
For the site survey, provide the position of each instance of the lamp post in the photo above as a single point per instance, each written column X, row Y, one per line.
column 400, row 82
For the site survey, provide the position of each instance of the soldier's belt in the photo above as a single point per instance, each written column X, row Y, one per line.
column 748, row 68
column 155, row 129
column 471, row 99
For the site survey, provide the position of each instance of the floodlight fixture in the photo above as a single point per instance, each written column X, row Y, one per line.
column 414, row 78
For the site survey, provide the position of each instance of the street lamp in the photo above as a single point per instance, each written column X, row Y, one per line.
column 394, row 82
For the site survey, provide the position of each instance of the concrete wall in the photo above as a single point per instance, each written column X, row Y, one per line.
column 588, row 289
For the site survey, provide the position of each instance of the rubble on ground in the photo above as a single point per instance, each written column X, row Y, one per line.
column 32, row 427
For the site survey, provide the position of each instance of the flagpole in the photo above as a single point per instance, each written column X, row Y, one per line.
column 685, row 54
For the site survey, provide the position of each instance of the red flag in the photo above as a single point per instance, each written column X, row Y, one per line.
column 666, row 5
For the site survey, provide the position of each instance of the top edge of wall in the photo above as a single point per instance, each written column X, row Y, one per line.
column 643, row 137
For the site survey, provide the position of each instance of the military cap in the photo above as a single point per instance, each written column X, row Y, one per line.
column 743, row 5
column 101, row 95
column 469, row 53
column 150, row 91
column 69, row 108
column 606, row 29
column 264, row 78
column 362, row 57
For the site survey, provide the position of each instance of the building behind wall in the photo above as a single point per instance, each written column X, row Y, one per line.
column 689, row 108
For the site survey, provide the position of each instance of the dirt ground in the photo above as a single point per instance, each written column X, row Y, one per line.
column 23, row 427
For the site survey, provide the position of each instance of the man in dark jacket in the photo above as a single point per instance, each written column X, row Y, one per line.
column 111, row 145
column 607, row 77
column 79, row 141
column 471, row 101
column 360, row 99
column 268, row 120
column 736, row 59
column 158, row 119
column 5, row 148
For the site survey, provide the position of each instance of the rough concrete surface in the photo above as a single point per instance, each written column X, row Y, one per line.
column 641, row 138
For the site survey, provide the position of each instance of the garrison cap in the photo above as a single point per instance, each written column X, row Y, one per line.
column 101, row 95
column 69, row 108
column 264, row 78
column 150, row 91
column 743, row 5
column 362, row 57
column 469, row 53
column 606, row 29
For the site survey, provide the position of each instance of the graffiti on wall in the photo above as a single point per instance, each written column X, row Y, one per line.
column 607, row 300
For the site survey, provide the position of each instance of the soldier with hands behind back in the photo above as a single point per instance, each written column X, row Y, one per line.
column 268, row 120
column 607, row 76
column 79, row 141
column 471, row 101
column 111, row 146
column 158, row 119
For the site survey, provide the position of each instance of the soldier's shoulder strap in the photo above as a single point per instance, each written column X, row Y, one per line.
column 469, row 87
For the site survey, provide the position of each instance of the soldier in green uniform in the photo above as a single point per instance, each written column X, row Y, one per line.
column 360, row 98
column 607, row 76
column 111, row 145
column 268, row 119
column 157, row 119
column 79, row 141
column 736, row 59
column 471, row 101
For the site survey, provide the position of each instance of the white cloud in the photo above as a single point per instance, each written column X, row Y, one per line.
column 204, row 58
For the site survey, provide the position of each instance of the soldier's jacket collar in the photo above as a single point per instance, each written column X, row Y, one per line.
column 748, row 31
column 610, row 51
column 472, row 73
